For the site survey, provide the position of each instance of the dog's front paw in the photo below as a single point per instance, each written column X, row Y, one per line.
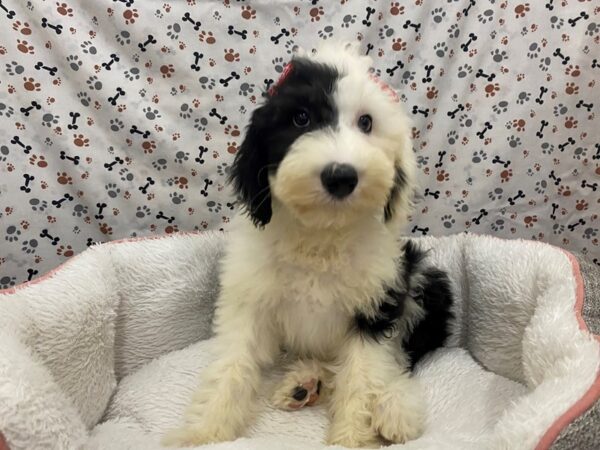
column 353, row 434
column 191, row 435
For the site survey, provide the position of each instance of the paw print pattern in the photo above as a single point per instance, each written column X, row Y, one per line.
column 74, row 62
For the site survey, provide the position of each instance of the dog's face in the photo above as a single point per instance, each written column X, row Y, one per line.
column 330, row 144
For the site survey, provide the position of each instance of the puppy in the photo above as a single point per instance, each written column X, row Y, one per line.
column 315, row 265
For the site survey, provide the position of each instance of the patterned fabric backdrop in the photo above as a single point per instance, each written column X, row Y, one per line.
column 121, row 118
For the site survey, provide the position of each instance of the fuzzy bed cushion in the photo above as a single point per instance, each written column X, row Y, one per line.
column 105, row 351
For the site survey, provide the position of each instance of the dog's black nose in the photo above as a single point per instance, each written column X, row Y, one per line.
column 339, row 179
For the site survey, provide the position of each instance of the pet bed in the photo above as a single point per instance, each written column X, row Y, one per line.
column 104, row 352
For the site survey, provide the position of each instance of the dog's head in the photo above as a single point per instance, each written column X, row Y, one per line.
column 330, row 144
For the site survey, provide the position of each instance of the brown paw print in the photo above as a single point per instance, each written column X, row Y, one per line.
column 248, row 13
column 130, row 15
column 169, row 229
column 491, row 89
column 581, row 205
column 167, row 70
column 442, row 176
column 232, row 130
column 105, row 229
column 573, row 70
column 506, row 175
column 570, row 122
column 31, row 85
column 231, row 55
column 22, row 28
column 571, row 88
column 519, row 124
column 232, row 147
column 398, row 44
column 66, row 251
column 316, row 13
column 64, row 10
column 396, row 9
column 521, row 10
column 39, row 161
column 211, row 62
column 63, row 178
column 149, row 146
column 530, row 221
column 80, row 140
column 207, row 36
column 24, row 47
column 182, row 182
column 565, row 191
column 432, row 92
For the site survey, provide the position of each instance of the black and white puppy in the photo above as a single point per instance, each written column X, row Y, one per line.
column 315, row 265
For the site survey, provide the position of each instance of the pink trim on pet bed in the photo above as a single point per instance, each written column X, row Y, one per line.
column 593, row 393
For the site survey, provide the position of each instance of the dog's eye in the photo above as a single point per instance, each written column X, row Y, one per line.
column 365, row 123
column 301, row 119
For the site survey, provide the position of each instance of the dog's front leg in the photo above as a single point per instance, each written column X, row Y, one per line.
column 368, row 381
column 224, row 402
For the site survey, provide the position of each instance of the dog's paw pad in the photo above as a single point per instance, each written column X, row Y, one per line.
column 304, row 394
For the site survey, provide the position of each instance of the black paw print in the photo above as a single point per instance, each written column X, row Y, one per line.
column 88, row 47
column 386, row 32
column 142, row 211
column 94, row 83
column 12, row 233
column 326, row 32
column 14, row 68
column 79, row 210
column 116, row 125
column 461, row 206
column 206, row 82
column 132, row 74
column 497, row 225
column 464, row 70
column 37, row 204
column 438, row 15
column 486, row 16
column 246, row 88
column 440, row 49
column 177, row 198
column 200, row 123
column 173, row 31
column 213, row 206
column 185, row 112
column 479, row 156
column 500, row 107
column 112, row 190
column 6, row 282
column 513, row 141
column 84, row 99
column 448, row 221
column 348, row 20
column 151, row 114
column 452, row 137
column 496, row 194
column 533, row 51
column 181, row 156
column 74, row 62
column 453, row 31
column 160, row 164
column 123, row 37
column 499, row 55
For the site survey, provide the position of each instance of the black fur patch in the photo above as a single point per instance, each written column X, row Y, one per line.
column 433, row 294
column 399, row 183
column 271, row 132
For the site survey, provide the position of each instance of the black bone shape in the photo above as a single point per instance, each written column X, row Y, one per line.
column 481, row 74
column 231, row 205
column 100, row 207
column 31, row 273
column 134, row 130
column 149, row 40
column 569, row 141
column 268, row 82
column 188, row 18
column 427, row 78
column 113, row 58
column 390, row 71
column 113, row 100
column 207, row 183
column 556, row 179
column 202, row 150
column 144, row 188
column 497, row 160
column 213, row 113
column 482, row 214
column 225, row 81
column 160, row 215
column 434, row 194
column 28, row 178
column 543, row 124
column 416, row 110
column 231, row 30
column 465, row 46
column 127, row 3
column 109, row 166
column 34, row 104
column 16, row 140
column 51, row 70
column 576, row 224
column 452, row 114
column 369, row 48
column 275, row 39
column 486, row 126
column 58, row 203
column 597, row 155
column 366, row 20
column 409, row 23
column 582, row 15
column 73, row 125
column 74, row 159
column 549, row 5
column 592, row 186
column 441, row 155
column 197, row 57
column 89, row 242
column 44, row 234
column 587, row 106
column 520, row 194
column 423, row 231
column 595, row 63
column 56, row 28
column 554, row 208
column 468, row 8
column 565, row 59
column 9, row 13
column 539, row 100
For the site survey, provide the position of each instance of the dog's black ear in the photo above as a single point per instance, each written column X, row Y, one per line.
column 400, row 182
column 249, row 173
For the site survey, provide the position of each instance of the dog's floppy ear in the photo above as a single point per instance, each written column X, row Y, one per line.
column 249, row 173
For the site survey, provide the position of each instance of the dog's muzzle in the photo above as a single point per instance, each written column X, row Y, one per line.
column 339, row 180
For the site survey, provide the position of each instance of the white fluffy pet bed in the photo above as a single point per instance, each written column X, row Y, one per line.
column 104, row 352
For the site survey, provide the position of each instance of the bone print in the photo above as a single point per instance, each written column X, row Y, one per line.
column 564, row 145
column 482, row 213
column 539, row 100
column 486, row 126
column 162, row 216
column 113, row 58
column 587, row 106
column 149, row 40
column 51, row 70
column 466, row 10
column 213, row 113
column 9, row 13
column 207, row 183
column 202, row 149
column 127, row 3
column 472, row 38
column 31, row 273
column 370, row 11
column 197, row 57
column 592, row 186
column 149, row 182
column 74, row 115
column 56, row 28
column 520, row 194
column 497, row 160
column 369, row 48
column 135, row 130
column 231, row 205
column 556, row 179
column 434, row 194
column 390, row 71
column 565, row 59
column 188, row 18
column 275, row 39
column 582, row 15
column 225, row 81
column 45, row 234
column 452, row 114
column 99, row 215
column 34, row 105
column 28, row 179
column 481, row 74
column 428, row 69
column 595, row 63
column 572, row 226
column 441, row 155
column 422, row 230
column 554, row 208
column 109, row 166
column 17, row 141
column 417, row 110
column 597, row 155
column 231, row 30
column 113, row 100
column 58, row 203
column 550, row 5
column 74, row 159
column 411, row 24
column 543, row 124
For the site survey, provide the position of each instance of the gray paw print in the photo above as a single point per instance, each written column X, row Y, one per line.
column 464, row 70
column 160, row 164
column 278, row 64
column 556, row 22
column 497, row 225
column 185, row 112
column 540, row 186
column 246, row 88
column 150, row 113
column 453, row 31
column 448, row 220
column 499, row 55
column 589, row 233
column 479, row 156
column 123, row 37
column 523, row 97
column 513, row 141
column 6, row 282
column 88, row 48
column 500, row 107
column 326, row 32
column 84, row 99
column 94, row 83
column 14, row 68
column 74, row 62
column 12, row 233
column 452, row 137
column 177, row 198
column 560, row 110
column 200, row 123
column 440, row 49
column 213, row 206
column 461, row 206
column 438, row 15
column 181, row 156
column 29, row 246
column 206, row 83
column 49, row 119
column 579, row 152
column 112, row 190
column 290, row 47
column 126, row 175
column 132, row 74
column 592, row 29
column 422, row 161
column 486, row 16
column 496, row 194
column 6, row 110
column 348, row 19
column 37, row 204
column 79, row 210
column 223, row 169
column 116, row 125
column 465, row 121
column 558, row 228
column 545, row 64
column 173, row 31
column 142, row 211
column 547, row 148
column 407, row 76
column 386, row 32
column 533, row 51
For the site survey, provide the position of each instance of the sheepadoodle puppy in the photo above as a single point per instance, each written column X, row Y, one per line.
column 315, row 265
